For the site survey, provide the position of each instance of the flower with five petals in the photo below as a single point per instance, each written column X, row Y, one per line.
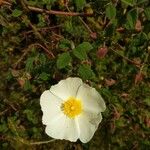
column 71, row 110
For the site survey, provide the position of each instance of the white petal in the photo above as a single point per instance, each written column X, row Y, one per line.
column 92, row 100
column 63, row 128
column 66, row 88
column 88, row 124
column 50, row 105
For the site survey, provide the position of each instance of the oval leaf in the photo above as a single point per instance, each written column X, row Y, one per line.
column 63, row 60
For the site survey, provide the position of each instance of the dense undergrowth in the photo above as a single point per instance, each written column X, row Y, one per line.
column 106, row 44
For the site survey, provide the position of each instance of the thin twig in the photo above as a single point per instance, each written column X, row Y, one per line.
column 5, row 3
column 23, row 56
column 87, row 27
column 117, row 45
column 54, row 12
column 44, row 28
column 24, row 141
column 10, row 104
column 127, row 59
column 143, row 64
column 36, row 32
column 42, row 39
column 41, row 142
column 57, row 35
column 45, row 49
column 3, row 112
column 50, row 54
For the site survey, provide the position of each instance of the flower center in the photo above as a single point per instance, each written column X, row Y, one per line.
column 71, row 107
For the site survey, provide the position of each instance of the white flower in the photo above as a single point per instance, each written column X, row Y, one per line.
column 71, row 110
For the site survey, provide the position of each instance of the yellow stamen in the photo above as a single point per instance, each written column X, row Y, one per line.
column 72, row 107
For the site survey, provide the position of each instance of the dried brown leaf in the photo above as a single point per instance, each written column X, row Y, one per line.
column 21, row 82
column 138, row 78
column 110, row 82
column 93, row 35
column 138, row 26
column 125, row 95
column 101, row 53
column 147, row 122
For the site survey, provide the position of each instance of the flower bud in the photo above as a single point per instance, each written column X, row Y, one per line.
column 101, row 53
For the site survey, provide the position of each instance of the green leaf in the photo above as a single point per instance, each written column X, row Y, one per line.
column 140, row 39
column 120, row 122
column 3, row 22
column 147, row 101
column 42, row 59
column 129, row 2
column 68, row 26
column 42, row 21
column 132, row 17
column 30, row 116
column 44, row 76
column 147, row 13
column 81, row 50
column 16, row 13
column 86, row 72
column 111, row 11
column 3, row 128
column 80, row 4
column 27, row 86
column 63, row 60
column 29, row 64
column 86, row 46
column 65, row 44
